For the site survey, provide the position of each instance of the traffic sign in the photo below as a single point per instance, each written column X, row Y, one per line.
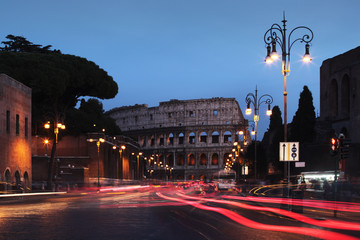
column 289, row 151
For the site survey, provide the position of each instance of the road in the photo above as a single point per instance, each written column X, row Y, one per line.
column 168, row 212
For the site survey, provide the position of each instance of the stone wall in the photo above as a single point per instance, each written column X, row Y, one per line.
column 340, row 101
column 15, row 133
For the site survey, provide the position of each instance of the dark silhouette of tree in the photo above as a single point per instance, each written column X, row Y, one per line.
column 302, row 126
column 57, row 81
column 21, row 44
column 276, row 135
column 90, row 117
column 261, row 162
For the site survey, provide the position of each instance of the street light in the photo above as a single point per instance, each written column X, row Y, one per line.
column 138, row 164
column 46, row 142
column 57, row 126
column 277, row 35
column 121, row 149
column 253, row 99
column 98, row 142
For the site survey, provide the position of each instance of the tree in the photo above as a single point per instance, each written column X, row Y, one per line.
column 302, row 126
column 261, row 158
column 275, row 135
column 21, row 44
column 57, row 81
column 90, row 117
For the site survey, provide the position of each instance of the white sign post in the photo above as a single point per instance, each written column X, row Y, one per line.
column 289, row 151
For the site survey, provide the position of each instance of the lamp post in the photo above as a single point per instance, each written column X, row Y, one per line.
column 57, row 127
column 121, row 149
column 138, row 164
column 46, row 142
column 98, row 142
column 276, row 35
column 256, row 102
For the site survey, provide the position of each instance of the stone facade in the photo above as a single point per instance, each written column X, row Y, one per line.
column 15, row 133
column 340, row 102
column 183, row 139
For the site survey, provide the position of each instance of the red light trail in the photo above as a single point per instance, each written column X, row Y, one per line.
column 323, row 234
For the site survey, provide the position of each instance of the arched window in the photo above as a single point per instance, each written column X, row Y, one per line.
column 191, row 159
column 142, row 141
column 192, row 138
column 333, row 99
column 7, row 176
column 171, row 139
column 203, row 137
column 215, row 137
column 181, row 138
column 17, row 178
column 7, row 180
column 227, row 137
column 203, row 159
column 345, row 96
column 180, row 159
column 214, row 159
column 151, row 140
column 161, row 140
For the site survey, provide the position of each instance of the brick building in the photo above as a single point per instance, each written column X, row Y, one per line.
column 79, row 161
column 15, row 133
column 183, row 139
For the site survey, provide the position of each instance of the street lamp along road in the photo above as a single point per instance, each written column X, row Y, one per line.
column 256, row 102
column 57, row 127
column 276, row 35
column 98, row 142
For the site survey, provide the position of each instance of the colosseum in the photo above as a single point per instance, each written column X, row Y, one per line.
column 183, row 139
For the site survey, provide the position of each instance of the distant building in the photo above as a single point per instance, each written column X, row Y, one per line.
column 15, row 133
column 340, row 103
column 80, row 162
column 183, row 139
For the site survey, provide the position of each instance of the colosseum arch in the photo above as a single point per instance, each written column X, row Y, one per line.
column 203, row 137
column 142, row 141
column 215, row 137
column 180, row 160
column 345, row 96
column 161, row 140
column 170, row 140
column 181, row 138
column 333, row 99
column 227, row 137
column 151, row 140
column 191, row 159
column 192, row 138
column 203, row 159
column 214, row 159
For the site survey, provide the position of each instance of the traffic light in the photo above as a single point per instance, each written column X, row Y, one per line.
column 334, row 146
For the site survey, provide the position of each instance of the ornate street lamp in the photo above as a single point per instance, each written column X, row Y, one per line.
column 277, row 35
column 98, row 142
column 121, row 149
column 253, row 99
column 57, row 126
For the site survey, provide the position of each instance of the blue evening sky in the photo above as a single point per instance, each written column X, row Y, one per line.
column 157, row 50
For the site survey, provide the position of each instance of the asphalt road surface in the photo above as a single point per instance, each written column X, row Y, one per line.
column 158, row 212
